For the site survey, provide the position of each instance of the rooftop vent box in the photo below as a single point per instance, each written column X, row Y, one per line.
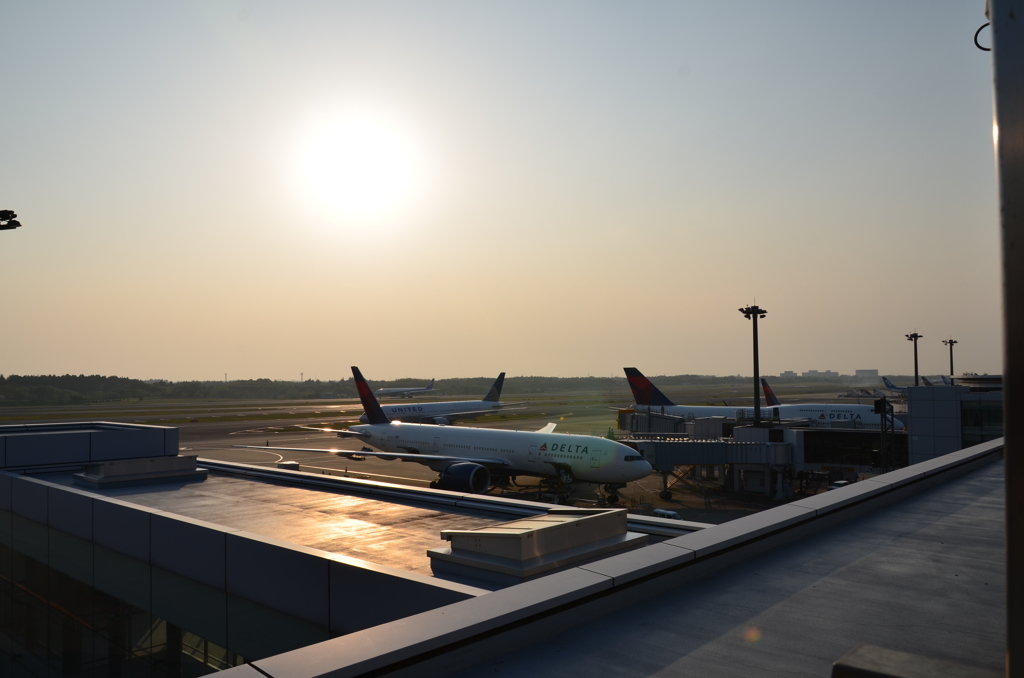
column 140, row 471
column 510, row 553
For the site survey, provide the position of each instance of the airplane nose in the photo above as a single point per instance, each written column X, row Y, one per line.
column 647, row 467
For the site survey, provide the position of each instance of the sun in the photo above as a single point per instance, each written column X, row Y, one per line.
column 359, row 165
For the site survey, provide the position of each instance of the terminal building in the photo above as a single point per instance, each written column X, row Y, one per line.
column 121, row 557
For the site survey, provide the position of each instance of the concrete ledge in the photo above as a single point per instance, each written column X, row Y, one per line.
column 191, row 548
column 71, row 512
column 122, row 527
column 282, row 576
column 29, row 500
column 746, row 529
column 406, row 639
column 834, row 500
column 627, row 567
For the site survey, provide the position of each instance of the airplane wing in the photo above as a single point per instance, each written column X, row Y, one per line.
column 549, row 428
column 455, row 415
column 404, row 456
column 344, row 433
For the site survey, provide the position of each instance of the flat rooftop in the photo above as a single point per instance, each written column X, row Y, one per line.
column 925, row 575
column 396, row 533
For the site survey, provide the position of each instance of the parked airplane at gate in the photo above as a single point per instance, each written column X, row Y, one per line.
column 467, row 458
column 404, row 392
column 649, row 399
column 446, row 413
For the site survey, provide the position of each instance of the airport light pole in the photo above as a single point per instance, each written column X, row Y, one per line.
column 914, row 336
column 950, row 343
column 753, row 313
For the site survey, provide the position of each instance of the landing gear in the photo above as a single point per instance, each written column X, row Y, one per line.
column 665, row 494
column 613, row 493
column 556, row 490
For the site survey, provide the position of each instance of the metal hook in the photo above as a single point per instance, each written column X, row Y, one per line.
column 976, row 44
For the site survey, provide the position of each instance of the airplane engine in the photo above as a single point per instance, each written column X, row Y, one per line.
column 441, row 421
column 465, row 477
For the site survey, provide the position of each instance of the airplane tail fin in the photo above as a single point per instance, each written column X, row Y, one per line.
column 889, row 385
column 374, row 413
column 644, row 392
column 946, row 381
column 495, row 393
column 926, row 382
column 430, row 385
column 769, row 395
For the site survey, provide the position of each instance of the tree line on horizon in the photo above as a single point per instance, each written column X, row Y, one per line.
column 70, row 389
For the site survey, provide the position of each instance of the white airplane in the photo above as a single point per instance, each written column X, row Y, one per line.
column 649, row 399
column 446, row 413
column 466, row 458
column 404, row 392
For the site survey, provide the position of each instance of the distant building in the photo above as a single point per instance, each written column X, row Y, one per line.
column 788, row 374
column 815, row 374
column 873, row 374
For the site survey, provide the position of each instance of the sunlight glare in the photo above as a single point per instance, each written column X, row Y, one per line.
column 359, row 165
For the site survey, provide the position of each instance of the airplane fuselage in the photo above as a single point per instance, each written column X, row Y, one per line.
column 590, row 459
column 818, row 415
column 401, row 392
column 428, row 412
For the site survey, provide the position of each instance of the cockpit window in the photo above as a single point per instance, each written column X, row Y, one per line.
column 632, row 457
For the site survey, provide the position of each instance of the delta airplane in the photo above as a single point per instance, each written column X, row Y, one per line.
column 446, row 413
column 649, row 399
column 404, row 392
column 466, row 458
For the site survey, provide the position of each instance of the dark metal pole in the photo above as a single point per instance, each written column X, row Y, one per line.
column 1008, row 134
column 950, row 342
column 914, row 337
column 752, row 313
column 917, row 380
column 757, row 380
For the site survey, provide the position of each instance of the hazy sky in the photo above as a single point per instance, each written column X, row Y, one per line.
column 459, row 188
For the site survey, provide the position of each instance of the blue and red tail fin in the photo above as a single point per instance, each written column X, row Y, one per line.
column 495, row 393
column 770, row 398
column 644, row 392
column 374, row 414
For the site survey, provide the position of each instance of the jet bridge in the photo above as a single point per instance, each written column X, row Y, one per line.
column 748, row 460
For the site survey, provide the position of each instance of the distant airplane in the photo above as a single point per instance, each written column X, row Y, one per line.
column 856, row 393
column 446, row 413
column 769, row 395
column 945, row 380
column 467, row 459
column 891, row 386
column 404, row 392
column 649, row 399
